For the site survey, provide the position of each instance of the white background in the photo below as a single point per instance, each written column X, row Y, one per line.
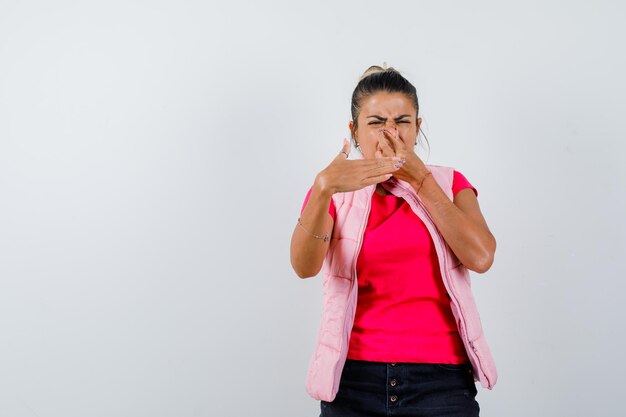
column 154, row 156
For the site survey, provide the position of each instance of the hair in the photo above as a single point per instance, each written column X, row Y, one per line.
column 376, row 79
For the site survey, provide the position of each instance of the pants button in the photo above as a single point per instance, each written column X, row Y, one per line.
column 393, row 382
column 393, row 364
column 393, row 398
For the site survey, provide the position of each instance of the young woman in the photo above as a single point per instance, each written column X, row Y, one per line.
column 400, row 333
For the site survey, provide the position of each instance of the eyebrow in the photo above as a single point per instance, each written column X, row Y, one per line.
column 383, row 118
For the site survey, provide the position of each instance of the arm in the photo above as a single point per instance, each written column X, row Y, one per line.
column 461, row 224
column 307, row 252
column 341, row 175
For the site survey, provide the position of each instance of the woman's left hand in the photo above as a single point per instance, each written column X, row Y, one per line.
column 390, row 144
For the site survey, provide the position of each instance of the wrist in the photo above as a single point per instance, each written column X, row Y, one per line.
column 321, row 187
column 418, row 183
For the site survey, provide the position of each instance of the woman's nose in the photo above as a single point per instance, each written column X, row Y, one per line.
column 391, row 126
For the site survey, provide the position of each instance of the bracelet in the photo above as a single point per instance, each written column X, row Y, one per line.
column 422, row 182
column 324, row 238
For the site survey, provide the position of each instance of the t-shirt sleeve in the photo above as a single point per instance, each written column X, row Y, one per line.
column 459, row 183
column 331, row 208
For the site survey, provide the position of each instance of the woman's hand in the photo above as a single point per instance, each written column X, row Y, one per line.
column 460, row 221
column 390, row 144
column 343, row 175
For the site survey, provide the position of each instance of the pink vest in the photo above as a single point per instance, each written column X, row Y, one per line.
column 340, row 287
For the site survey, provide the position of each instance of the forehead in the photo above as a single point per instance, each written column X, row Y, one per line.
column 387, row 104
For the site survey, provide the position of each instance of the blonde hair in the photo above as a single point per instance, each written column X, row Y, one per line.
column 375, row 69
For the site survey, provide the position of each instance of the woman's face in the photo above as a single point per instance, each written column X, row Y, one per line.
column 382, row 110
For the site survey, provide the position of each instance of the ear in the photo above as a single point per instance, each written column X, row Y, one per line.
column 351, row 127
column 419, row 122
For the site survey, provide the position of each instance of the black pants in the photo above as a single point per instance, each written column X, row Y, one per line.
column 378, row 389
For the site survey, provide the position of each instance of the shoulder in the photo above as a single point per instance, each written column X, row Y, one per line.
column 444, row 175
column 460, row 182
column 439, row 168
column 451, row 178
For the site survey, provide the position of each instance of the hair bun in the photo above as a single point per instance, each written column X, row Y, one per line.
column 375, row 69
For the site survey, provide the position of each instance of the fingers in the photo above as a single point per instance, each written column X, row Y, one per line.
column 386, row 166
column 378, row 166
column 345, row 149
column 384, row 161
column 398, row 144
column 384, row 145
column 376, row 179
column 349, row 175
column 393, row 135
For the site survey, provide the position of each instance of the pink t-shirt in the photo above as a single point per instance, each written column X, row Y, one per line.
column 403, row 310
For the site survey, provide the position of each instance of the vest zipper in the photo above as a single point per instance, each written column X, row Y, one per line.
column 441, row 245
column 356, row 257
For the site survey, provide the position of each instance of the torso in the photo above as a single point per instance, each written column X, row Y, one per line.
column 403, row 311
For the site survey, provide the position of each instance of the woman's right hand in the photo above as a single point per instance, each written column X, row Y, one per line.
column 344, row 174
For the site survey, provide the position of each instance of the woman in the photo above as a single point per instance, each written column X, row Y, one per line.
column 400, row 333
